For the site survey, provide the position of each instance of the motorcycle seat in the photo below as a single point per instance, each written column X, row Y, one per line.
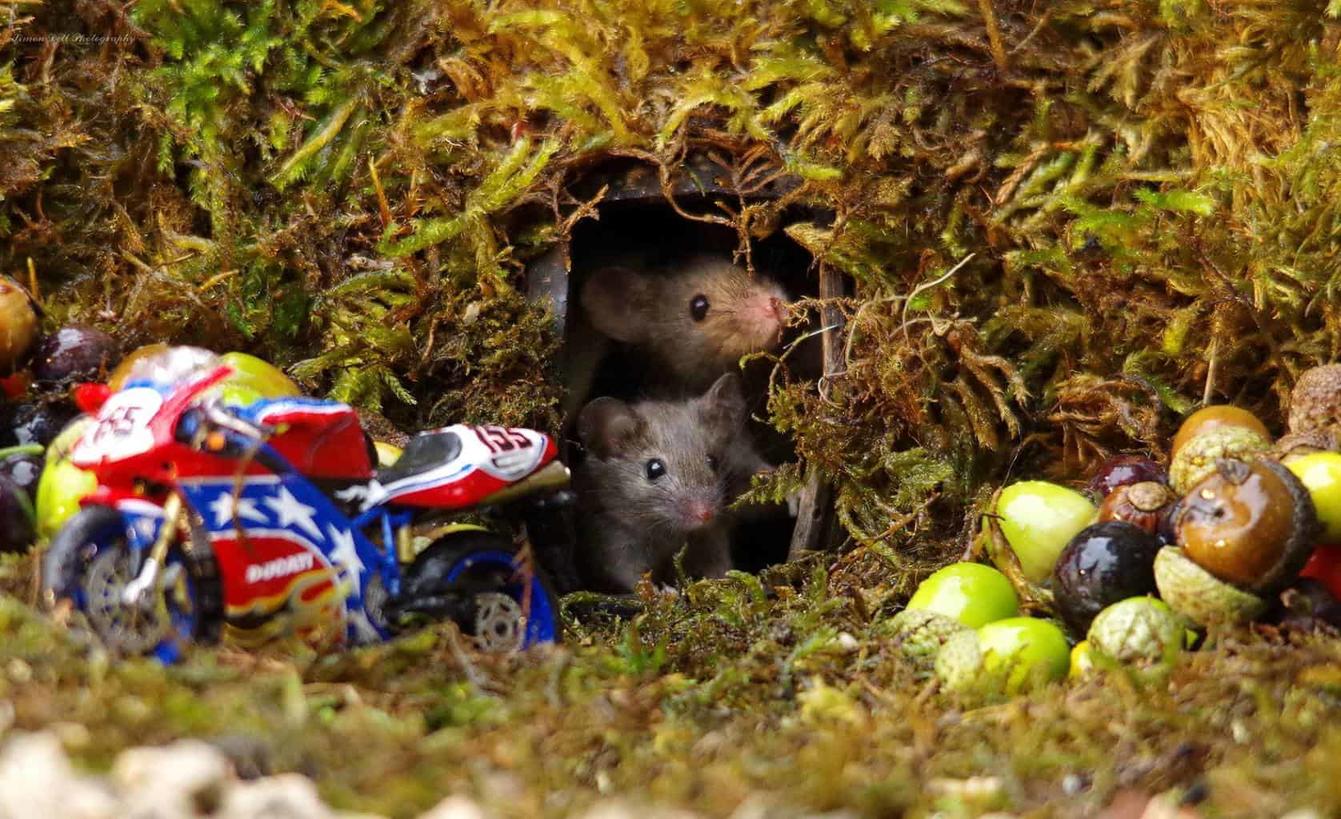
column 423, row 452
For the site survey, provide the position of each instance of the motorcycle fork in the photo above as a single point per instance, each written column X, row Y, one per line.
column 158, row 552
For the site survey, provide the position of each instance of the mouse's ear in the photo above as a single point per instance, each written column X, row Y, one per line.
column 617, row 301
column 608, row 426
column 724, row 402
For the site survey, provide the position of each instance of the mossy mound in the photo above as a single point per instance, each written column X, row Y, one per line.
column 1064, row 224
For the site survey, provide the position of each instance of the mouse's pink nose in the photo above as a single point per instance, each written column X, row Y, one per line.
column 701, row 512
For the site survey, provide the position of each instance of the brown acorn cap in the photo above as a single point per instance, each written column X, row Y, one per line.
column 1315, row 401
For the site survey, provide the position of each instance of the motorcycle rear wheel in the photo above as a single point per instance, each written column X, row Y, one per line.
column 514, row 607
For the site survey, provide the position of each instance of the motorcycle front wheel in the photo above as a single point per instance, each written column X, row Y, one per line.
column 90, row 562
column 510, row 606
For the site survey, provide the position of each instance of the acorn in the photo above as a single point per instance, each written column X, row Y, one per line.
column 1105, row 563
column 1195, row 459
column 1315, row 401
column 1216, row 416
column 959, row 663
column 919, row 635
column 1200, row 596
column 1139, row 631
column 1249, row 523
column 1146, row 505
column 18, row 325
column 1125, row 470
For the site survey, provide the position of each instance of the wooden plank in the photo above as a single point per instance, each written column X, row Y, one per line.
column 816, row 502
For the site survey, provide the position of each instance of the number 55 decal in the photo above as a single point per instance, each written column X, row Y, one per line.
column 502, row 439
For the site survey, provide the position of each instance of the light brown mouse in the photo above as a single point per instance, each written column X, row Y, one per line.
column 690, row 322
column 658, row 476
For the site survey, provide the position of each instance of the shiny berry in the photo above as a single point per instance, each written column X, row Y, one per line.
column 74, row 352
column 1123, row 471
column 1105, row 563
column 1250, row 523
column 1324, row 566
column 1082, row 661
column 34, row 423
column 62, row 484
column 23, row 469
column 1320, row 473
column 1024, row 652
column 971, row 593
column 1038, row 519
column 18, row 325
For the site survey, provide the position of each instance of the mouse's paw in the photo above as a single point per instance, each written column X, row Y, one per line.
column 667, row 590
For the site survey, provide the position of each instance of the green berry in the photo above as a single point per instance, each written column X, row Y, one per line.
column 1038, row 519
column 1082, row 660
column 1320, row 473
column 1024, row 652
column 972, row 593
column 62, row 484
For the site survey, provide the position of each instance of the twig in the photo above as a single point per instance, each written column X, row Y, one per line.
column 993, row 35
column 1211, row 366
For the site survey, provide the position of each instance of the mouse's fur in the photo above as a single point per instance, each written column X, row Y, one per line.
column 631, row 523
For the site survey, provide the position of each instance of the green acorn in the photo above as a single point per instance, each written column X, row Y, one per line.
column 920, row 634
column 1199, row 595
column 1195, row 460
column 1139, row 631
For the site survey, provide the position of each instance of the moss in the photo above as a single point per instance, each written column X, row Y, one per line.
column 793, row 701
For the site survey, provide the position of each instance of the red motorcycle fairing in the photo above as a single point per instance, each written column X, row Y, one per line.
column 321, row 439
column 461, row 466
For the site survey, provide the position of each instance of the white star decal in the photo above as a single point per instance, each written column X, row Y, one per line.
column 228, row 505
column 291, row 511
column 346, row 554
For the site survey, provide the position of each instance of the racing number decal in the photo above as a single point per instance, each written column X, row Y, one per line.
column 502, row 439
column 120, row 421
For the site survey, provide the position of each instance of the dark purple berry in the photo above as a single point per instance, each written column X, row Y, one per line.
column 35, row 422
column 23, row 470
column 1124, row 470
column 75, row 352
column 16, row 517
column 1103, row 564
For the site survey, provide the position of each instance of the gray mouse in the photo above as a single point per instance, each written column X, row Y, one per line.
column 691, row 322
column 658, row 476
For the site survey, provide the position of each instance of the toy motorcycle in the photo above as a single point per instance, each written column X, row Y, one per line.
column 251, row 521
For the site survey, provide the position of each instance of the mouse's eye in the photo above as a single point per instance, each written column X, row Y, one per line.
column 654, row 469
column 712, row 462
column 698, row 307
